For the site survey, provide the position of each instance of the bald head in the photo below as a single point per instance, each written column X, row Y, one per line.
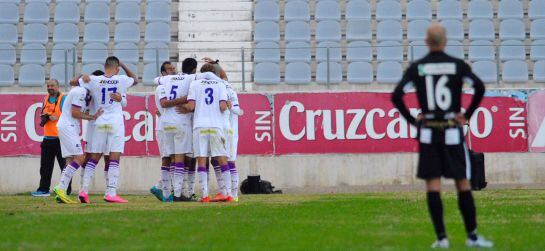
column 436, row 37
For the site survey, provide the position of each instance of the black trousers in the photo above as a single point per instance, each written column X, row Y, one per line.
column 51, row 149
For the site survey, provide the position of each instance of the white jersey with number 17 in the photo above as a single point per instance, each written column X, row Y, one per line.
column 207, row 95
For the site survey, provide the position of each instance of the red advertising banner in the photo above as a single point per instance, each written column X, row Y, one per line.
column 536, row 121
column 255, row 125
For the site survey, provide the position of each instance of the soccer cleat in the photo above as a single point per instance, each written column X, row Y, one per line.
column 205, row 199
column 480, row 242
column 115, row 199
column 193, row 198
column 83, row 197
column 61, row 194
column 157, row 192
column 219, row 197
column 443, row 243
column 170, row 198
column 230, row 199
column 40, row 194
column 235, row 199
column 57, row 199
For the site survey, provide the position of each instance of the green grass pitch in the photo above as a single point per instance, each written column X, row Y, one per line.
column 513, row 219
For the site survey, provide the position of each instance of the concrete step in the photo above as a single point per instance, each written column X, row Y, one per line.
column 216, row 5
column 223, row 56
column 218, row 36
column 188, row 26
column 215, row 15
column 214, row 46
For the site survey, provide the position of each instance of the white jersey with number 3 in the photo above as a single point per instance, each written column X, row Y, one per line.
column 207, row 95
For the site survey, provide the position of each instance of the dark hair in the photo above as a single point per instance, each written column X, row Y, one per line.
column 163, row 66
column 208, row 68
column 97, row 73
column 189, row 65
column 111, row 61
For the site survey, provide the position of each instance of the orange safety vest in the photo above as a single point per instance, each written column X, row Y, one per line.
column 50, row 128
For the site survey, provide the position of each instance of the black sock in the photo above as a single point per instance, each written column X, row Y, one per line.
column 467, row 208
column 435, row 207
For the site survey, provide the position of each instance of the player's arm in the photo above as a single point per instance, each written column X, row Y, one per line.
column 399, row 92
column 477, row 84
column 223, row 98
column 166, row 103
column 190, row 106
column 129, row 73
column 78, row 114
column 75, row 81
column 222, row 74
column 235, row 107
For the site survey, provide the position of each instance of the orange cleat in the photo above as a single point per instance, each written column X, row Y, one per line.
column 205, row 199
column 219, row 198
column 230, row 199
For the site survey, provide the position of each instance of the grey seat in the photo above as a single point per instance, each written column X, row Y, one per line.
column 359, row 30
column 297, row 73
column 267, row 32
column 539, row 71
column 38, row 1
column 127, row 12
column 481, row 29
column 455, row 49
column 136, row 1
column 480, row 9
column 335, row 73
column 360, row 73
column 389, row 30
column 335, row 54
column 157, row 32
column 151, row 50
column 266, row 11
column 66, row 33
column 33, row 54
column 7, row 75
column 90, row 68
column 96, row 33
column 267, row 52
column 417, row 30
column 357, row 9
column 297, row 31
column 328, row 10
column 150, row 72
column 486, row 71
column 328, row 31
column 389, row 72
column 389, row 51
column 36, row 13
column 11, row 1
column 296, row 11
column 94, row 53
column 58, row 72
column 535, row 9
column 388, row 10
column 418, row 9
column 158, row 12
column 537, row 31
column 359, row 51
column 96, row 12
column 127, row 32
column 35, row 33
column 515, row 71
column 7, row 54
column 70, row 1
column 67, row 12
column 481, row 50
column 510, row 9
column 417, row 50
column 9, row 13
column 537, row 50
column 267, row 74
column 132, row 67
column 449, row 9
column 512, row 29
column 58, row 53
column 455, row 29
column 298, row 52
column 8, row 34
column 126, row 52
column 31, row 75
column 512, row 50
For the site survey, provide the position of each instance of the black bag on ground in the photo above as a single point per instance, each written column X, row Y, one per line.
column 254, row 185
column 478, row 179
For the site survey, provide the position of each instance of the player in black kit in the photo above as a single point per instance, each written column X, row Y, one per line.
column 438, row 79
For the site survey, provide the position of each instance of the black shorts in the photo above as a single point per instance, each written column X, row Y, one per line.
column 439, row 159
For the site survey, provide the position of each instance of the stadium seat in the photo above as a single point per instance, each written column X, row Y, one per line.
column 389, row 51
column 481, row 29
column 7, row 54
column 11, row 1
column 127, row 32
column 151, row 49
column 66, row 33
column 535, row 9
column 455, row 49
column 512, row 50
column 537, row 31
column 151, row 71
column 134, row 1
column 389, row 30
column 266, row 32
column 328, row 31
column 389, row 72
column 297, row 73
column 132, row 67
column 127, row 12
column 71, row 1
column 35, row 33
column 388, row 10
column 31, row 75
column 487, row 71
column 7, row 76
column 360, row 73
column 33, row 54
column 97, row 12
column 58, row 53
column 417, row 30
column 539, row 71
column 266, row 11
column 96, row 33
column 58, row 72
column 296, row 11
column 38, row 1
column 94, row 53
column 449, row 9
column 328, row 10
column 455, row 29
column 510, row 9
column 418, row 9
column 157, row 32
column 358, row 30
column 8, row 34
column 512, row 29
column 335, row 73
column 158, row 12
column 267, row 52
column 357, row 10
column 480, row 9
column 335, row 54
column 481, row 50
column 90, row 68
column 36, row 13
column 298, row 52
column 417, row 50
column 515, row 71
column 297, row 31
column 359, row 51
column 67, row 12
column 267, row 74
column 126, row 52
column 9, row 13
column 537, row 51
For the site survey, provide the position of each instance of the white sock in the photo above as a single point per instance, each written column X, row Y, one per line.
column 171, row 173
column 178, row 178
column 217, row 171
column 203, row 181
column 89, row 172
column 191, row 182
column 165, row 181
column 113, row 176
column 67, row 174
column 185, row 187
column 234, row 179
column 226, row 180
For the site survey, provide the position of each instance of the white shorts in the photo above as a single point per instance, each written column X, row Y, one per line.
column 209, row 142
column 108, row 138
column 70, row 141
column 159, row 135
column 177, row 138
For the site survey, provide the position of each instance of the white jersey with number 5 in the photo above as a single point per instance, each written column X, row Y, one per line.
column 175, row 86
column 207, row 95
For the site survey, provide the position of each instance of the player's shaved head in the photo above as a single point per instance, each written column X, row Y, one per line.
column 189, row 66
column 208, row 68
column 436, row 37
column 112, row 62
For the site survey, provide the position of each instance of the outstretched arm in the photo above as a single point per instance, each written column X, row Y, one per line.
column 397, row 97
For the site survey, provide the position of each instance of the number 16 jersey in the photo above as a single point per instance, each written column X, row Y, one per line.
column 207, row 95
